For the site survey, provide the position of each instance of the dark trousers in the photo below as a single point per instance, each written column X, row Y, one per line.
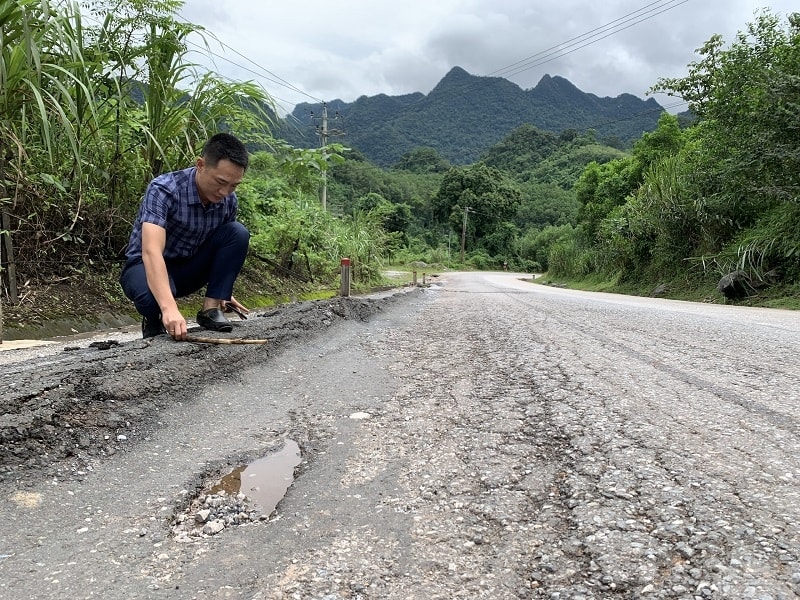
column 216, row 265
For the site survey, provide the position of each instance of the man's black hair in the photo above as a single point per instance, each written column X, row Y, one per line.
column 225, row 146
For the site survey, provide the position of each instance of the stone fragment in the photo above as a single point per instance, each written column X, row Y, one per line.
column 213, row 527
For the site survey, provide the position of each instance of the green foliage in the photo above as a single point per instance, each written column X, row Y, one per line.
column 484, row 192
column 40, row 62
column 666, row 141
column 464, row 115
column 289, row 226
column 534, row 247
column 419, row 251
column 309, row 242
column 651, row 234
column 544, row 204
column 408, row 193
column 722, row 195
column 395, row 219
column 748, row 98
column 480, row 259
column 89, row 114
column 601, row 188
column 566, row 258
column 564, row 167
column 521, row 150
column 501, row 240
column 47, row 118
column 769, row 250
column 422, row 160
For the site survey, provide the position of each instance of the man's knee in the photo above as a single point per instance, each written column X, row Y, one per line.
column 134, row 284
column 234, row 235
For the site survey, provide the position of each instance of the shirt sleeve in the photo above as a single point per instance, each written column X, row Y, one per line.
column 155, row 206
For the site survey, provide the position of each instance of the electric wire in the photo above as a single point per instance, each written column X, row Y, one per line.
column 590, row 37
column 263, row 72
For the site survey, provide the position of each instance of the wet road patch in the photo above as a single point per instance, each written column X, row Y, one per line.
column 248, row 494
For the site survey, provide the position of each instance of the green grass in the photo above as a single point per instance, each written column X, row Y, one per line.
column 785, row 297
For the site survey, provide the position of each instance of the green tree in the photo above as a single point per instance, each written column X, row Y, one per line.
column 746, row 164
column 490, row 197
column 534, row 246
column 422, row 160
column 662, row 143
column 523, row 149
column 545, row 204
column 748, row 99
column 600, row 189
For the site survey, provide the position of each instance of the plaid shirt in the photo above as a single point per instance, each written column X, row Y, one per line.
column 172, row 202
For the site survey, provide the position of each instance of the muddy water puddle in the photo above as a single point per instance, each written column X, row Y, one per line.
column 264, row 481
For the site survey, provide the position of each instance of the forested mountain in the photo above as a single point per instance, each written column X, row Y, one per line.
column 466, row 114
column 530, row 155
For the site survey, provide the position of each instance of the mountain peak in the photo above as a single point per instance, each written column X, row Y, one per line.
column 454, row 77
column 465, row 114
column 550, row 84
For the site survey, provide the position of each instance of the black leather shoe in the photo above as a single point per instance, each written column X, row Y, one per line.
column 152, row 327
column 214, row 320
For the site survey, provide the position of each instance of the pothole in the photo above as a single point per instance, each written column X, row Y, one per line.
column 265, row 480
column 246, row 495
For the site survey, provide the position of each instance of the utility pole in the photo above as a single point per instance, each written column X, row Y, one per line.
column 464, row 233
column 323, row 192
column 324, row 133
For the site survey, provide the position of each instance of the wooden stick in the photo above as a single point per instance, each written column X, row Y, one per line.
column 209, row 340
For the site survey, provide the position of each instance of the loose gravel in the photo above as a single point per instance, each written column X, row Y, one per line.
column 569, row 449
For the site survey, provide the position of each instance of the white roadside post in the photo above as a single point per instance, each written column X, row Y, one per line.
column 345, row 287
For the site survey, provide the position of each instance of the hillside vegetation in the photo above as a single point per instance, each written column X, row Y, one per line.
column 465, row 114
column 85, row 125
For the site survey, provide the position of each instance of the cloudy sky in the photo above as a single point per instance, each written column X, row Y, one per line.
column 310, row 51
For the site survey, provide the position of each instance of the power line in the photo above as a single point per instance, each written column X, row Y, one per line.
column 287, row 104
column 590, row 37
column 262, row 72
column 265, row 73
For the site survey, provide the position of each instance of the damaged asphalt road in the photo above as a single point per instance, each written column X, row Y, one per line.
column 482, row 438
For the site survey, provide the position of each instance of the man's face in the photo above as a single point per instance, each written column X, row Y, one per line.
column 214, row 183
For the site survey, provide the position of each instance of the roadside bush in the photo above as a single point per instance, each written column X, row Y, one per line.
column 481, row 260
column 568, row 259
column 535, row 245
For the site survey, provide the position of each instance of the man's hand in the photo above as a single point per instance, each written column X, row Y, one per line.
column 175, row 324
column 233, row 305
